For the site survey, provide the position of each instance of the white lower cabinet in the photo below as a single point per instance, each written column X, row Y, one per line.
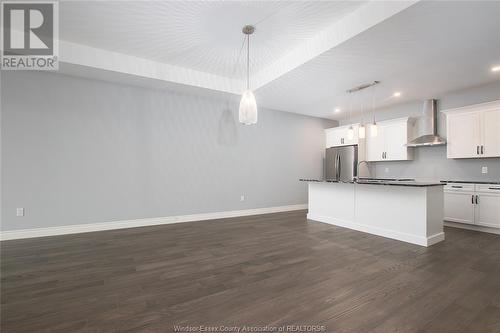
column 487, row 208
column 458, row 207
column 477, row 204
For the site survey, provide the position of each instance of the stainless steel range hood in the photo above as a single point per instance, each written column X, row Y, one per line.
column 429, row 137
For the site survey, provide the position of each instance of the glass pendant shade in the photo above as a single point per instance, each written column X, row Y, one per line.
column 350, row 133
column 362, row 131
column 374, row 130
column 248, row 108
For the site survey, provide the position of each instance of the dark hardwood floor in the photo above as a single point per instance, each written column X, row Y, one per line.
column 262, row 270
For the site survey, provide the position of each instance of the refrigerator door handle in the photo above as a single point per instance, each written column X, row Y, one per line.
column 340, row 169
column 335, row 165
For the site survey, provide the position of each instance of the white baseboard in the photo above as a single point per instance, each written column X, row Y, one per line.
column 472, row 227
column 436, row 238
column 409, row 238
column 79, row 228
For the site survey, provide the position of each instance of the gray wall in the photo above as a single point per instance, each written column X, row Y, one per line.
column 82, row 151
column 430, row 163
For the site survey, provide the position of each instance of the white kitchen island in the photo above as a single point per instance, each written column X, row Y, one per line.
column 407, row 211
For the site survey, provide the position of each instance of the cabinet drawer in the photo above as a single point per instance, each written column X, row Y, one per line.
column 461, row 187
column 488, row 188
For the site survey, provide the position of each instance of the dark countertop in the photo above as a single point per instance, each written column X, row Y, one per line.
column 382, row 182
column 470, row 182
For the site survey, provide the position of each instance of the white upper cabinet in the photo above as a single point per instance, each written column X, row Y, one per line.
column 491, row 133
column 474, row 131
column 375, row 146
column 464, row 135
column 390, row 142
column 396, row 138
column 338, row 136
column 333, row 137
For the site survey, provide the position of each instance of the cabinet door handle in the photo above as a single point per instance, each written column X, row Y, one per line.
column 493, row 188
column 482, row 149
column 472, row 199
column 477, row 199
column 455, row 186
column 477, row 150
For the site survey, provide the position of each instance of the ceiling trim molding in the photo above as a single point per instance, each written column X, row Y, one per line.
column 86, row 56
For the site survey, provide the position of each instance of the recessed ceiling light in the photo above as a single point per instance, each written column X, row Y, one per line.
column 337, row 110
column 495, row 69
column 396, row 94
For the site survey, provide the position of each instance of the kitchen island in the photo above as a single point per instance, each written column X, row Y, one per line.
column 408, row 211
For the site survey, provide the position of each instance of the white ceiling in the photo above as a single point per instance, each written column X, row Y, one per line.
column 423, row 52
column 204, row 36
column 304, row 54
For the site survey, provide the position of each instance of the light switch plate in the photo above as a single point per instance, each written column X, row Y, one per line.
column 20, row 212
column 484, row 170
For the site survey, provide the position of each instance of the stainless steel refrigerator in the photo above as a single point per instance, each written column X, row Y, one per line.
column 341, row 163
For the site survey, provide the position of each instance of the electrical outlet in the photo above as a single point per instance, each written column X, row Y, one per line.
column 20, row 212
column 242, row 198
column 484, row 170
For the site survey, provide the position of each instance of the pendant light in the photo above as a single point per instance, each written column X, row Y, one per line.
column 248, row 105
column 350, row 130
column 362, row 131
column 350, row 133
column 374, row 127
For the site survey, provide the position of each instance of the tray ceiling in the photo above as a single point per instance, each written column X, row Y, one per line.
column 204, row 36
column 304, row 54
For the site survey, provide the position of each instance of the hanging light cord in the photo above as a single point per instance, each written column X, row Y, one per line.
column 373, row 109
column 350, row 109
column 235, row 66
column 348, row 113
column 362, row 110
column 239, row 56
column 248, row 62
